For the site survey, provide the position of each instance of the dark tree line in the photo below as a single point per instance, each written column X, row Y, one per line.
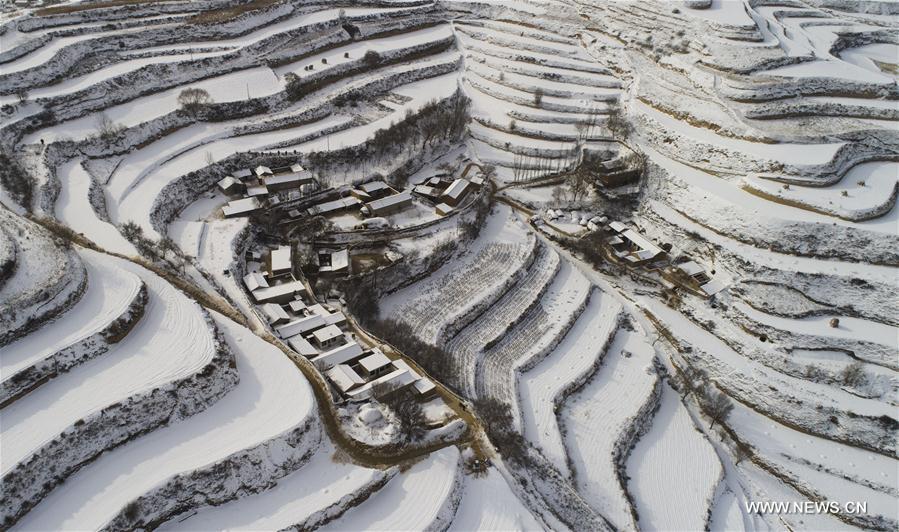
column 16, row 181
column 437, row 122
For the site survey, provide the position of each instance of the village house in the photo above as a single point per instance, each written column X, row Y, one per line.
column 302, row 325
column 274, row 314
column 334, row 262
column 344, row 354
column 279, row 293
column 230, row 185
column 455, row 193
column 327, row 336
column 279, row 262
column 374, row 365
column 388, row 205
column 241, row 207
column 344, row 378
column 334, row 206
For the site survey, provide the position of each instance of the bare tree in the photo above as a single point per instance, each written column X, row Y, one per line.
column 106, row 128
column 131, row 231
column 489, row 171
column 192, row 99
column 854, row 375
column 717, row 406
column 408, row 410
column 579, row 182
column 166, row 245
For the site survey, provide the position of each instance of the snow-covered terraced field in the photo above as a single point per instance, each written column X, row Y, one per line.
column 489, row 504
column 45, row 280
column 111, row 294
column 140, row 389
column 671, row 455
column 467, row 346
column 303, row 496
column 263, row 428
column 420, row 499
column 532, row 338
column 462, row 291
column 542, row 387
column 514, row 71
column 170, row 365
column 601, row 418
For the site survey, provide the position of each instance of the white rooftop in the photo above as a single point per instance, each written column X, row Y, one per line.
column 281, row 259
column 457, row 189
column 300, row 326
column 338, row 355
column 279, row 290
column 302, row 346
column 374, row 361
column 326, row 333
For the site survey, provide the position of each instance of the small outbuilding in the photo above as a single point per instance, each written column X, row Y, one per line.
column 241, row 207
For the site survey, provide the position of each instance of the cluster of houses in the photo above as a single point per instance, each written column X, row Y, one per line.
column 264, row 186
column 634, row 249
column 630, row 247
column 376, row 199
column 447, row 193
column 372, row 199
column 319, row 333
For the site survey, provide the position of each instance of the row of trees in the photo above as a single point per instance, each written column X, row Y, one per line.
column 154, row 250
column 437, row 122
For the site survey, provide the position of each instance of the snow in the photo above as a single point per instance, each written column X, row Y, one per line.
column 410, row 501
column 598, row 414
column 257, row 81
column 74, row 209
column 271, row 398
column 46, row 52
column 672, row 455
column 541, row 387
column 314, row 487
column 729, row 12
column 830, row 69
column 847, row 198
column 357, row 49
column 733, row 365
column 489, row 504
column 110, row 290
column 864, row 56
column 421, row 93
column 171, row 341
column 727, row 517
column 851, row 328
column 839, row 472
column 800, row 154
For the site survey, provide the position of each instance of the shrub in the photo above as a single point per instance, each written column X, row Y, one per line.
column 193, row 99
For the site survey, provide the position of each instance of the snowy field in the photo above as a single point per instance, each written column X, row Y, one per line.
column 141, row 386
